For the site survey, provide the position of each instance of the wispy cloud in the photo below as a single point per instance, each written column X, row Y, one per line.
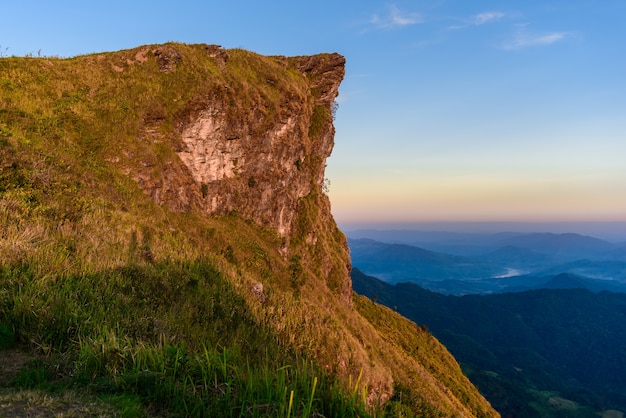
column 486, row 17
column 478, row 20
column 524, row 39
column 395, row 18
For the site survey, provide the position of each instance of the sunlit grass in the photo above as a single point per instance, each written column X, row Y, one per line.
column 150, row 310
column 144, row 330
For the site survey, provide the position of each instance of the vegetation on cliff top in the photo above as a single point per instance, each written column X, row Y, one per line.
column 124, row 307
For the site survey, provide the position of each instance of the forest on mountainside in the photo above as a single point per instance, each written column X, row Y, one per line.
column 525, row 350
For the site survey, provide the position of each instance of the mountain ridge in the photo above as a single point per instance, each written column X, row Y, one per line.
column 504, row 263
column 164, row 218
column 403, row 262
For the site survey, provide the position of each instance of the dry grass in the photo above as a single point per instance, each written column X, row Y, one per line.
column 37, row 403
column 96, row 277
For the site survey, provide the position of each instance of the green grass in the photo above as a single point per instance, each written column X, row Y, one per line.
column 149, row 310
column 427, row 352
column 144, row 330
column 216, row 382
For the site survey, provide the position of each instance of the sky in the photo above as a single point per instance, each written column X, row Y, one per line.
column 450, row 111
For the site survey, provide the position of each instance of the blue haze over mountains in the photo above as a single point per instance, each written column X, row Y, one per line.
column 536, row 320
column 547, row 353
column 478, row 263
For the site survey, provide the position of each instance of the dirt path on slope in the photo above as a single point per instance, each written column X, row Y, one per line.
column 37, row 403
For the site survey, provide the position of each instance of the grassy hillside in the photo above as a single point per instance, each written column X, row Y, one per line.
column 114, row 304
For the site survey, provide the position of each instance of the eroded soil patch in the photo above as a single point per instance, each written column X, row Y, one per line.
column 37, row 403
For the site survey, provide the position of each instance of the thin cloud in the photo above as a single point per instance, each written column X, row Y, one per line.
column 482, row 18
column 526, row 39
column 395, row 18
column 479, row 19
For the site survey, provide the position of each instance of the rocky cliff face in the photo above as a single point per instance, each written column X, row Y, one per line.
column 257, row 156
column 257, row 148
column 258, row 167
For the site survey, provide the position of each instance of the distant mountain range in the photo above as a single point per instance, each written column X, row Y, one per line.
column 551, row 352
column 571, row 245
column 400, row 262
column 536, row 329
column 561, row 246
column 459, row 263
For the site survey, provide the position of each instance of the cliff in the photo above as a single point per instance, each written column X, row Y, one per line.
column 252, row 141
column 172, row 196
column 255, row 145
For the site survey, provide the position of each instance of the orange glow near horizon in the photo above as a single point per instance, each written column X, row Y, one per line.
column 475, row 199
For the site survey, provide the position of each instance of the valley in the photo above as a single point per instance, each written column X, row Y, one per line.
column 547, row 343
column 495, row 263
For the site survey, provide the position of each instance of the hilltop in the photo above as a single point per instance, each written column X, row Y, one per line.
column 167, row 247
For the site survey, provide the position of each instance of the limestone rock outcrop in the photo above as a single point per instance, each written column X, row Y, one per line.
column 254, row 142
column 258, row 165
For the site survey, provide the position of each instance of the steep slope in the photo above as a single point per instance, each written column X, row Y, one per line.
column 165, row 233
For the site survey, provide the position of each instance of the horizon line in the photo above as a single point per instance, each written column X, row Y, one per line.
column 608, row 230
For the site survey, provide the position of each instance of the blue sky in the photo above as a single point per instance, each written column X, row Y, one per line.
column 450, row 110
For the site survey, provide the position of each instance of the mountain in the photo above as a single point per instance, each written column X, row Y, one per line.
column 412, row 237
column 518, row 258
column 602, row 270
column 567, row 246
column 449, row 242
column 619, row 253
column 506, row 262
column 563, row 247
column 567, row 281
column 166, row 247
column 522, row 283
column 548, row 352
column 400, row 262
